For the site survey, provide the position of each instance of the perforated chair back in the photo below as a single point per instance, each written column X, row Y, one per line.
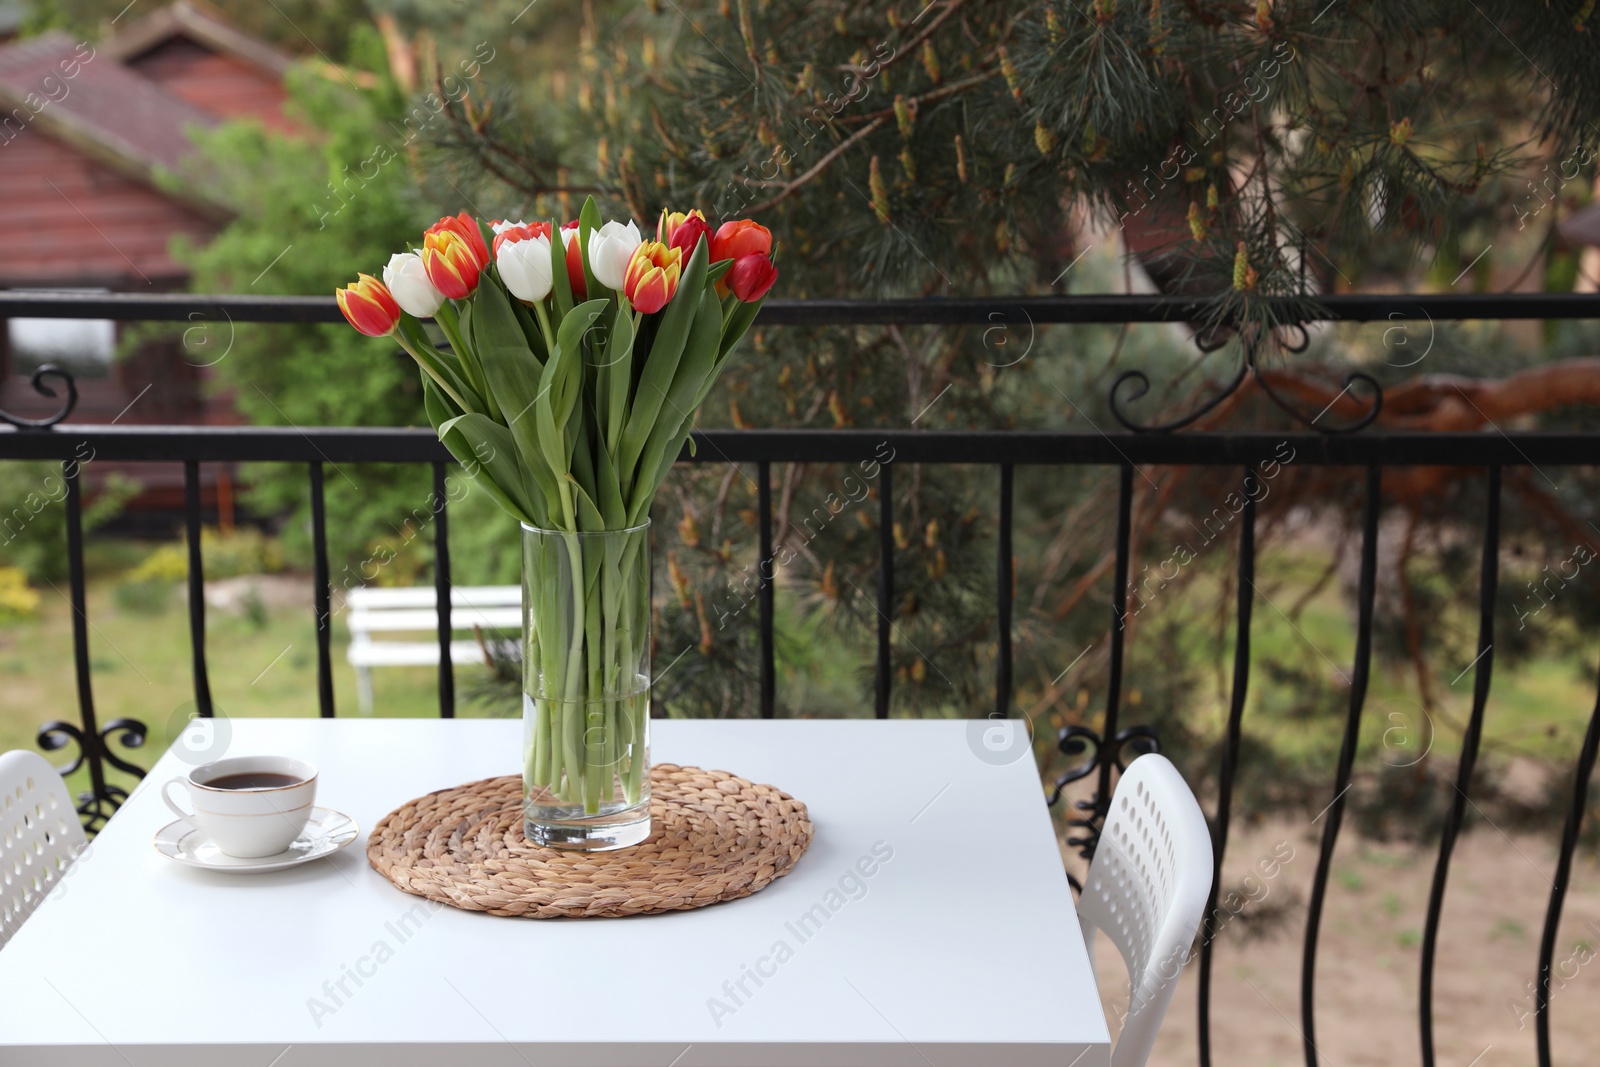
column 1147, row 889
column 40, row 835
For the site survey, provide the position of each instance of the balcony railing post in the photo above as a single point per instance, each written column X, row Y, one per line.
column 1482, row 667
column 319, row 564
column 1004, row 582
column 97, row 804
column 89, row 741
column 885, row 668
column 197, row 587
column 442, row 594
column 1108, row 751
column 1366, row 596
column 1245, row 593
column 768, row 578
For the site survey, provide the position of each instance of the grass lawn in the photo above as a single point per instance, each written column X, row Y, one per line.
column 141, row 667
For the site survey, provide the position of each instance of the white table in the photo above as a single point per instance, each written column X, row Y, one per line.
column 962, row 947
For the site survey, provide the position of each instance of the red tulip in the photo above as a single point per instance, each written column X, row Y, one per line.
column 740, row 238
column 368, row 305
column 751, row 276
column 575, row 279
column 451, row 263
column 466, row 227
column 652, row 276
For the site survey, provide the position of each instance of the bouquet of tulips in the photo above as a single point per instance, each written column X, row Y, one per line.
column 576, row 358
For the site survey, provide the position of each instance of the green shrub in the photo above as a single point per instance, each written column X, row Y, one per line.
column 244, row 551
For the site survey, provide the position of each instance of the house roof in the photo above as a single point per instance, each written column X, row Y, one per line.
column 196, row 22
column 110, row 113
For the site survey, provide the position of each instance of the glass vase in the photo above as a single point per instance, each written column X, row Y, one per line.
column 586, row 687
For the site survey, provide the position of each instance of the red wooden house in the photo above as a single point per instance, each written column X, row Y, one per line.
column 86, row 129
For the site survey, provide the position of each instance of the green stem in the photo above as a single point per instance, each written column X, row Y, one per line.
column 544, row 326
column 430, row 372
column 571, row 710
column 449, row 320
column 610, row 669
column 588, row 732
column 594, row 710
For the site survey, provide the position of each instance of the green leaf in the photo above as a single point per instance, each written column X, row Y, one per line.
column 448, row 317
column 560, row 284
column 549, row 431
column 487, row 452
column 513, row 376
column 589, row 518
column 610, row 491
column 738, row 322
column 658, row 473
column 589, row 221
column 570, row 340
column 580, row 455
column 662, row 366
column 530, row 332
column 440, row 408
column 696, row 373
column 618, row 374
column 718, row 269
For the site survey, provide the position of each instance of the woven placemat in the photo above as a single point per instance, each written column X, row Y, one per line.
column 714, row 837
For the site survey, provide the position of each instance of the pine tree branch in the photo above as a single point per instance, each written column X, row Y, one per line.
column 873, row 122
column 501, row 160
column 821, row 165
column 910, row 47
column 984, row 75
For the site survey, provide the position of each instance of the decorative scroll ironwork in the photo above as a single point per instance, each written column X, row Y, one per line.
column 101, row 800
column 1075, row 741
column 47, row 370
column 1249, row 367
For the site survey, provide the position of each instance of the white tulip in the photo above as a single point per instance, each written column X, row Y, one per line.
column 525, row 267
column 505, row 224
column 610, row 249
column 409, row 284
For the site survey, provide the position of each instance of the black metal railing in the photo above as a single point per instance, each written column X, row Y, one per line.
column 1105, row 749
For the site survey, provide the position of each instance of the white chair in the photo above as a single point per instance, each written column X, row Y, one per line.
column 40, row 835
column 1147, row 889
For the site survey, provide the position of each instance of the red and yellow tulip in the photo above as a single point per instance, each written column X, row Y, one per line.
column 369, row 307
column 682, row 230
column 452, row 263
column 652, row 276
column 465, row 227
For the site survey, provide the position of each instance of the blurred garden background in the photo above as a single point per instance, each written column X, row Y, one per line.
column 1266, row 153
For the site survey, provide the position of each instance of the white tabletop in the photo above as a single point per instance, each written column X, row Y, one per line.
column 961, row 948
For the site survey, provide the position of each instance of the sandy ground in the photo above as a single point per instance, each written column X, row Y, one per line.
column 1370, row 953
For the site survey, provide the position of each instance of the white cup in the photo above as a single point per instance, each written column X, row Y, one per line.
column 247, row 823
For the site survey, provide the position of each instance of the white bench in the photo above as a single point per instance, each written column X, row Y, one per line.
column 375, row 611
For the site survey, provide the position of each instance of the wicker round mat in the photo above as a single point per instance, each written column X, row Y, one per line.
column 714, row 837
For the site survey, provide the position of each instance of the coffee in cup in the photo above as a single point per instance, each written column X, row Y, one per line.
column 249, row 806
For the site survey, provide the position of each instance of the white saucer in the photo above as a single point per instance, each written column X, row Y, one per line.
column 326, row 832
